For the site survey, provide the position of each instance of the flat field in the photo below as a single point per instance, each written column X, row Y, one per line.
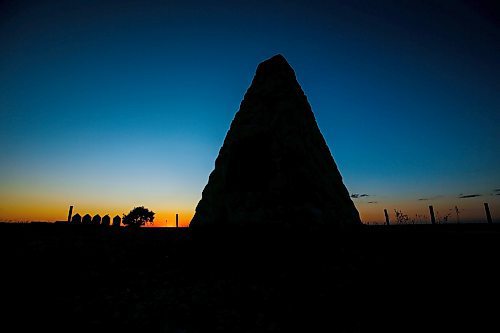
column 428, row 278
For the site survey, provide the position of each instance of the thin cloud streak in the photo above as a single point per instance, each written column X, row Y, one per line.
column 357, row 195
column 430, row 198
column 466, row 196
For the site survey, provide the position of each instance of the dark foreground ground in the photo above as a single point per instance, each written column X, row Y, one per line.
column 373, row 279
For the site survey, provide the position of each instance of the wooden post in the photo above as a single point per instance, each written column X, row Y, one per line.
column 433, row 219
column 177, row 220
column 386, row 217
column 70, row 213
column 488, row 215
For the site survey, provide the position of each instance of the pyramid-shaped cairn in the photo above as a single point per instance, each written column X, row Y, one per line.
column 274, row 165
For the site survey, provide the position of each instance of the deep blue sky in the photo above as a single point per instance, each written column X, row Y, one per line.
column 109, row 104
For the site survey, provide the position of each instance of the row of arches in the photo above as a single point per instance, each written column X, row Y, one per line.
column 95, row 220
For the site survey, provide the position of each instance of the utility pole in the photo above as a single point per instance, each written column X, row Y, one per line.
column 177, row 220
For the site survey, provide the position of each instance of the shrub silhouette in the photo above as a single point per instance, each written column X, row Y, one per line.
column 402, row 218
column 138, row 217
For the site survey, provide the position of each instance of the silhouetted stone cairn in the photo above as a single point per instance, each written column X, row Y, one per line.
column 96, row 220
column 116, row 221
column 76, row 219
column 87, row 219
column 106, row 221
column 274, row 165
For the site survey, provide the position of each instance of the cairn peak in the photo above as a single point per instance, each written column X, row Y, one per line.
column 274, row 74
column 274, row 165
column 275, row 61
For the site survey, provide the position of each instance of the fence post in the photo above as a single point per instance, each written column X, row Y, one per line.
column 433, row 219
column 386, row 217
column 177, row 220
column 488, row 215
column 70, row 213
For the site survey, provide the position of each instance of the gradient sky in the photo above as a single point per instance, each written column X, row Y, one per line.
column 107, row 105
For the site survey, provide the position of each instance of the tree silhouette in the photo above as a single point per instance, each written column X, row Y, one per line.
column 138, row 217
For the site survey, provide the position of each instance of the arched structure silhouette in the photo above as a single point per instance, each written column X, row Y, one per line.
column 76, row 219
column 96, row 220
column 87, row 219
column 106, row 220
column 117, row 221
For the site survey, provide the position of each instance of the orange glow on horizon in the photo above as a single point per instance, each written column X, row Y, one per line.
column 167, row 219
column 469, row 210
column 43, row 212
column 50, row 210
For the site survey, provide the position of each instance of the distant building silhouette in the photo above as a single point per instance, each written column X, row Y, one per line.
column 106, row 220
column 87, row 219
column 76, row 219
column 116, row 221
column 96, row 219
